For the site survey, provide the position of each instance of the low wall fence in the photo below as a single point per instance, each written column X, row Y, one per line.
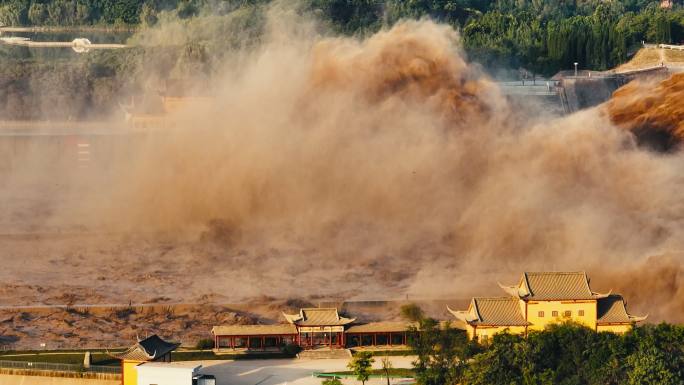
column 55, row 367
column 350, row 375
column 672, row 46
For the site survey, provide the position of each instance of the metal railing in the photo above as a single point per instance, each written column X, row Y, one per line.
column 27, row 365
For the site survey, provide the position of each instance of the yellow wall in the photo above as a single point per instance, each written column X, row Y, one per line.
column 130, row 375
column 539, row 323
column 618, row 328
column 487, row 332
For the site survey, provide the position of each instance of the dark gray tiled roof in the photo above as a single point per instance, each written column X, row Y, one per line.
column 149, row 349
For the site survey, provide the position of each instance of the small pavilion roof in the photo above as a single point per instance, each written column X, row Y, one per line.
column 253, row 330
column 318, row 317
column 149, row 349
column 553, row 286
column 500, row 311
column 612, row 310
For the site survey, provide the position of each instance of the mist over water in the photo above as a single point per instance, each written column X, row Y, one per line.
column 385, row 166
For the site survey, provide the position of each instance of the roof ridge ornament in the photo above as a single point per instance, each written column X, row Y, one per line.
column 462, row 315
column 602, row 295
column 513, row 291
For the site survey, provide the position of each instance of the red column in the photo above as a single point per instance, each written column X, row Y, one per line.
column 375, row 339
column 390, row 339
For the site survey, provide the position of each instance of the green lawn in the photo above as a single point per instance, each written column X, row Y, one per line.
column 380, row 353
column 394, row 372
column 101, row 358
column 60, row 358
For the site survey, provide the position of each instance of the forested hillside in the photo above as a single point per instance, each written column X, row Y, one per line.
column 177, row 38
column 541, row 36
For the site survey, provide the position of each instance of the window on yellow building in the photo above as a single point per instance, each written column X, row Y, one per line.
column 567, row 314
column 540, row 314
column 554, row 313
column 580, row 313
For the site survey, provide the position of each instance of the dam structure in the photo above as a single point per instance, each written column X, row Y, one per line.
column 79, row 45
column 570, row 91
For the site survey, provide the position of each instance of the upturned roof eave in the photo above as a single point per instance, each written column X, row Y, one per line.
column 463, row 316
column 602, row 295
column 636, row 318
column 292, row 318
column 513, row 291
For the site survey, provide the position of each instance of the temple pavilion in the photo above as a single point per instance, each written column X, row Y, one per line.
column 311, row 328
column 149, row 349
column 543, row 298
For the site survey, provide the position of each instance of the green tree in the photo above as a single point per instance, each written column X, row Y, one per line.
column 331, row 381
column 442, row 353
column 37, row 14
column 500, row 363
column 361, row 365
column 386, row 367
column 204, row 344
column 412, row 312
column 649, row 367
column 13, row 13
column 657, row 355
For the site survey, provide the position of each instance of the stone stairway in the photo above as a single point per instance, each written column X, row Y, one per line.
column 324, row 353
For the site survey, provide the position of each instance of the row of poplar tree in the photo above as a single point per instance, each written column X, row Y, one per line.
column 541, row 36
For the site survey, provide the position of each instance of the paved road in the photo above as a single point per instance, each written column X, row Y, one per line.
column 281, row 372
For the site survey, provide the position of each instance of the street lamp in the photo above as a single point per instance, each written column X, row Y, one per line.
column 576, row 68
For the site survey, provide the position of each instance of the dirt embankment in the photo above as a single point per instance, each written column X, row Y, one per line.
column 100, row 327
column 75, row 328
column 653, row 57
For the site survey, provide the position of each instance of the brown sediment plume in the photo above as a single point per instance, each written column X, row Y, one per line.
column 655, row 286
column 362, row 168
column 400, row 63
column 653, row 111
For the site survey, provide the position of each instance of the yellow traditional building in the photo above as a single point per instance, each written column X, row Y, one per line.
column 543, row 298
column 150, row 349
